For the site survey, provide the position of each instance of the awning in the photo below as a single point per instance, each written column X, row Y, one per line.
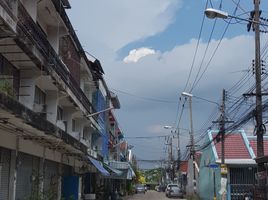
column 99, row 166
column 126, row 169
column 113, row 170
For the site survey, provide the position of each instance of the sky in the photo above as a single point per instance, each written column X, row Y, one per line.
column 147, row 49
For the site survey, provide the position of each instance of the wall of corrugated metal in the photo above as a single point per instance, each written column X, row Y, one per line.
column 5, row 157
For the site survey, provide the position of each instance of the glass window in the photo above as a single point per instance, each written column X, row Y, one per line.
column 39, row 96
column 73, row 125
column 59, row 113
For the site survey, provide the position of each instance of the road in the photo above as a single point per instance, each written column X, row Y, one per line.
column 150, row 195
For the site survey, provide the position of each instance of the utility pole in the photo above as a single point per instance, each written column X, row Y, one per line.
column 192, row 144
column 222, row 121
column 171, row 160
column 259, row 122
column 191, row 177
column 222, row 132
column 222, row 127
column 178, row 157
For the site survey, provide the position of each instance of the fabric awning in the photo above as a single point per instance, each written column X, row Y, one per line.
column 99, row 166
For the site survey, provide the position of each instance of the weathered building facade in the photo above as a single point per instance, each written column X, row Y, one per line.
column 49, row 89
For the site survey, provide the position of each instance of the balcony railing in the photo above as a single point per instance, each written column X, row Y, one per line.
column 27, row 27
column 10, row 7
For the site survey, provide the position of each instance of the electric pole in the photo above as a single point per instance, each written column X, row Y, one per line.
column 191, row 177
column 222, row 127
column 178, row 157
column 259, row 122
column 170, row 167
column 222, row 121
column 222, row 132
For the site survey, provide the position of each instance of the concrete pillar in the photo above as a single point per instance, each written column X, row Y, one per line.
column 41, row 172
column 60, row 179
column 13, row 171
column 80, row 186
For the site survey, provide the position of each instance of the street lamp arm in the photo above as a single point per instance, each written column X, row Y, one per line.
column 207, row 100
column 214, row 13
column 96, row 113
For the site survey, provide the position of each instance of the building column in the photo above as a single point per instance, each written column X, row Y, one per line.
column 60, row 179
column 14, row 161
column 41, row 172
column 80, row 186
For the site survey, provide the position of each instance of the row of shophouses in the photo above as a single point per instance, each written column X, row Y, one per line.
column 59, row 137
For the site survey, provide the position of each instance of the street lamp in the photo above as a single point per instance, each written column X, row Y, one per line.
column 214, row 13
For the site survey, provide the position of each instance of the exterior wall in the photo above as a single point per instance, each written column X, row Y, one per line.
column 27, row 91
column 53, row 37
column 70, row 57
column 100, row 104
column 51, row 106
column 206, row 179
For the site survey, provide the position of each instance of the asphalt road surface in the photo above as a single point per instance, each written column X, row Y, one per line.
column 150, row 195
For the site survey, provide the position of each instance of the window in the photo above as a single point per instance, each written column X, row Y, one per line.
column 73, row 125
column 59, row 113
column 39, row 96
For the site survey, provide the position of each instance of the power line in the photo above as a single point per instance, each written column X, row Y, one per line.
column 213, row 54
column 196, row 49
column 144, row 98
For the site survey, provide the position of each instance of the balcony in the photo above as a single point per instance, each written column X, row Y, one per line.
column 8, row 17
column 34, row 42
column 26, row 122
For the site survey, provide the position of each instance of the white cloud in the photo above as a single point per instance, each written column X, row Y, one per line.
column 136, row 54
column 115, row 23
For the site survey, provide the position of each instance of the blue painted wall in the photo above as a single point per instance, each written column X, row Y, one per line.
column 206, row 182
column 100, row 104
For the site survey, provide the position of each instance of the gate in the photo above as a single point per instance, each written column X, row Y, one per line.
column 242, row 181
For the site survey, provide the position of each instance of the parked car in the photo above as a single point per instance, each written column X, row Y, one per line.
column 174, row 190
column 140, row 188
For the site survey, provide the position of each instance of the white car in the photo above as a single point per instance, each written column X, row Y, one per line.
column 174, row 190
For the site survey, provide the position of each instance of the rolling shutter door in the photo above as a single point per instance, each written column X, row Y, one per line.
column 5, row 157
column 24, row 174
column 51, row 178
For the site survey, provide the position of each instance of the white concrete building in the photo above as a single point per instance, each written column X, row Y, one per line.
column 48, row 87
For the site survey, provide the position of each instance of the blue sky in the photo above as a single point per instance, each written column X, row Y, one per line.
column 146, row 49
